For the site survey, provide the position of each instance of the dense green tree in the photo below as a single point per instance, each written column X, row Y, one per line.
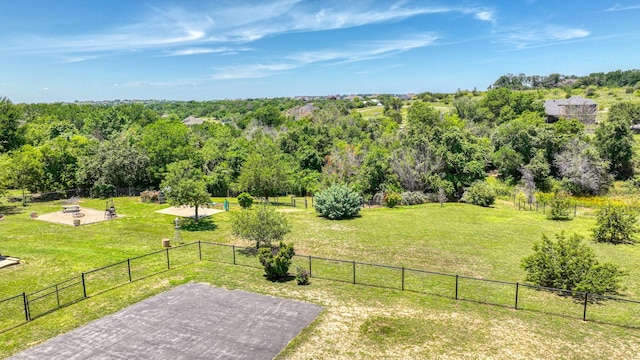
column 185, row 184
column 165, row 141
column 118, row 162
column 615, row 224
column 568, row 264
column 10, row 135
column 25, row 169
column 614, row 142
column 267, row 171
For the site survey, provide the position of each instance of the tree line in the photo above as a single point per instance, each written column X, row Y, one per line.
column 617, row 78
column 257, row 146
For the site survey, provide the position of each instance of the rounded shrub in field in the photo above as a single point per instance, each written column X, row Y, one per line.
column 245, row 200
column 480, row 193
column 413, row 198
column 337, row 202
column 392, row 199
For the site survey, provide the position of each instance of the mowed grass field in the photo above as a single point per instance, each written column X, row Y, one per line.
column 359, row 321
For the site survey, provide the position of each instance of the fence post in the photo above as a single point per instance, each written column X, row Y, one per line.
column 305, row 202
column 456, row 286
column 517, row 286
column 309, row 265
column 354, row 271
column 26, row 306
column 84, row 286
column 200, row 250
column 584, row 313
column 57, row 296
column 403, row 278
column 234, row 254
column 575, row 210
column 168, row 264
column 129, row 268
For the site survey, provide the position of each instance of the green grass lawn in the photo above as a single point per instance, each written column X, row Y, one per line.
column 359, row 321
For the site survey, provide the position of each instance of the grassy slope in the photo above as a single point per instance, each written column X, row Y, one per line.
column 359, row 321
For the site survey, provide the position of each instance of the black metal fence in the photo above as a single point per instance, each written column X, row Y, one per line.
column 22, row 308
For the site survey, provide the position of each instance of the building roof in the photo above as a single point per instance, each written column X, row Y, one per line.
column 192, row 120
column 556, row 107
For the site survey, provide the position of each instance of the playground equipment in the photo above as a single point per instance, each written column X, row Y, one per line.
column 110, row 211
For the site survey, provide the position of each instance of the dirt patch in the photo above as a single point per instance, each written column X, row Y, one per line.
column 189, row 211
column 90, row 216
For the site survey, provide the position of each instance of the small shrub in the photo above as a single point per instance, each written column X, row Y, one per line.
column 302, row 276
column 412, row 198
column 337, row 202
column 150, row 196
column 262, row 225
column 479, row 193
column 392, row 199
column 560, row 206
column 615, row 224
column 569, row 264
column 245, row 200
column 276, row 263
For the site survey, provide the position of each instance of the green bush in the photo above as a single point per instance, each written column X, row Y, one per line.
column 276, row 262
column 560, row 206
column 392, row 199
column 615, row 224
column 337, row 202
column 262, row 225
column 302, row 276
column 479, row 193
column 245, row 200
column 412, row 198
column 569, row 264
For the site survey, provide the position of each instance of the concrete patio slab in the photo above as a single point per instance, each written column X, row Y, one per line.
column 192, row 321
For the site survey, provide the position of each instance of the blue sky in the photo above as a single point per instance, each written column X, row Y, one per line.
column 199, row 50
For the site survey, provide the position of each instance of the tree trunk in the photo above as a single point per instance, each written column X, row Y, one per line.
column 196, row 213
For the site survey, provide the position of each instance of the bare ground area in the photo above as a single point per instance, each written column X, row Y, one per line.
column 90, row 216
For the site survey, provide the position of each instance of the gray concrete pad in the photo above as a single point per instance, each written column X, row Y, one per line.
column 192, row 321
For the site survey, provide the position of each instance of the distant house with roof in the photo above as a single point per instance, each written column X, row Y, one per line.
column 302, row 111
column 192, row 120
column 575, row 107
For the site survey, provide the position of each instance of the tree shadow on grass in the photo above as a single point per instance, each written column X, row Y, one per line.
column 281, row 279
column 11, row 209
column 203, row 224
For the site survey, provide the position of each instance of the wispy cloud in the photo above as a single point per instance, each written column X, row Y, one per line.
column 181, row 31
column 534, row 37
column 362, row 52
column 618, row 7
column 201, row 51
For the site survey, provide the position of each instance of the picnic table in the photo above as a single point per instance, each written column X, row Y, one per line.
column 70, row 208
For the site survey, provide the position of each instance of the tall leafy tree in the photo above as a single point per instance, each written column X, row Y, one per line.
column 267, row 171
column 10, row 137
column 614, row 142
column 185, row 184
column 165, row 141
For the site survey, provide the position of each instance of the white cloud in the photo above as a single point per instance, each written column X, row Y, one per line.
column 364, row 51
column 549, row 35
column 178, row 31
column 618, row 7
column 200, row 51
column 485, row 16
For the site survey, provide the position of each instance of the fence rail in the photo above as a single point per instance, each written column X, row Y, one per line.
column 22, row 308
